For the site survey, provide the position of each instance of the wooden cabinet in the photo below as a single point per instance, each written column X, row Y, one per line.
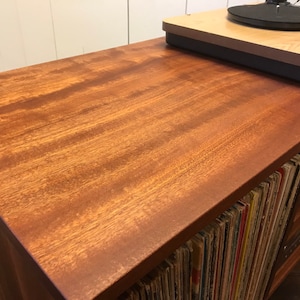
column 111, row 160
column 289, row 253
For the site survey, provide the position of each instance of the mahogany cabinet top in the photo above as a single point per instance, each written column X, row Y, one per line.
column 111, row 160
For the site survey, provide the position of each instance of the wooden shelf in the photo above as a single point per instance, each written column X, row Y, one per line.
column 289, row 254
column 283, row 271
column 111, row 160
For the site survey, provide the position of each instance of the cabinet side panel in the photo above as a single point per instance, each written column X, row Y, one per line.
column 19, row 277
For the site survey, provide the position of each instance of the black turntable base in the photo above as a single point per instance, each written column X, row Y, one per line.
column 278, row 15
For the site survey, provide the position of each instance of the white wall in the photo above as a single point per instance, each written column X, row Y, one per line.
column 202, row 5
column 82, row 26
column 35, row 31
column 12, row 52
column 26, row 34
column 145, row 17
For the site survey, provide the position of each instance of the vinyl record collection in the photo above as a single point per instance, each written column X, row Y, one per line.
column 231, row 258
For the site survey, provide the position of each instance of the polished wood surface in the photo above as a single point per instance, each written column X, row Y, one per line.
column 289, row 254
column 111, row 160
column 290, row 287
column 283, row 272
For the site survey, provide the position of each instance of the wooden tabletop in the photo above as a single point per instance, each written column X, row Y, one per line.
column 111, row 160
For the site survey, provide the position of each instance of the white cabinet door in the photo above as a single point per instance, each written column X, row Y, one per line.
column 26, row 33
column 146, row 16
column 83, row 26
column 242, row 2
column 194, row 6
column 37, row 30
column 12, row 53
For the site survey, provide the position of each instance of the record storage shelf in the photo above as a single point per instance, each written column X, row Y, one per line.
column 112, row 160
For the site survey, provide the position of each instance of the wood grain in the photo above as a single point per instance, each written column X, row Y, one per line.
column 111, row 160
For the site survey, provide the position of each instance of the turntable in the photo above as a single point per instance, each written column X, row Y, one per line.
column 261, row 36
column 273, row 14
